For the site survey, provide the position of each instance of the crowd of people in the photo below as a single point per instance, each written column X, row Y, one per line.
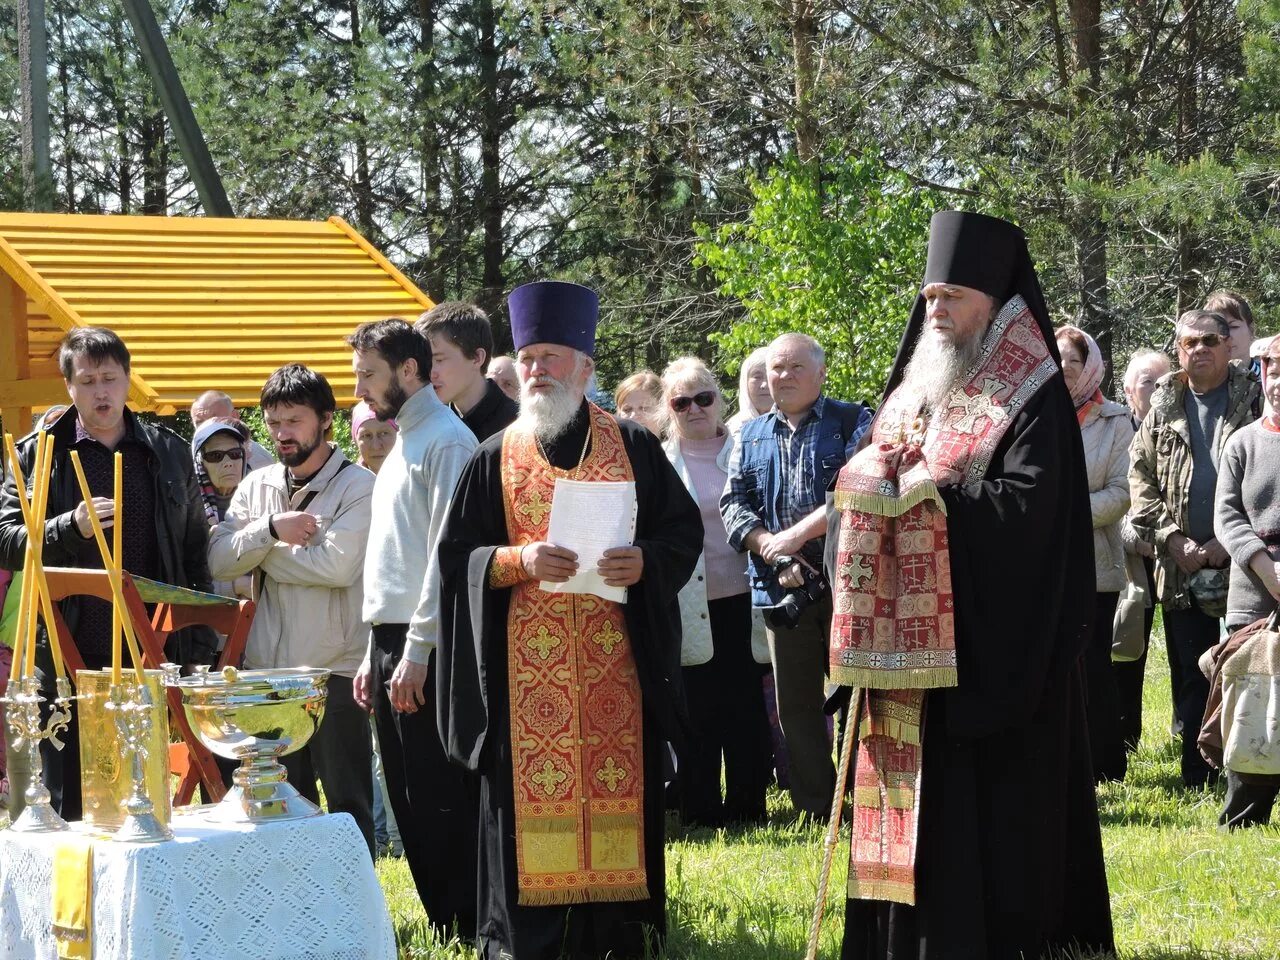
column 796, row 556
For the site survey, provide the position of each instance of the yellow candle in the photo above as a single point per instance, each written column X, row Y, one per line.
column 35, row 595
column 41, row 511
column 113, row 573
column 17, row 668
column 117, row 552
column 19, row 645
column 35, row 540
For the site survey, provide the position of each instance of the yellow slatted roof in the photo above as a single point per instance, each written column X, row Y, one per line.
column 203, row 303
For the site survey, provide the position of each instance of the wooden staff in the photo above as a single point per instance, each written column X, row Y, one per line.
column 833, row 824
column 113, row 572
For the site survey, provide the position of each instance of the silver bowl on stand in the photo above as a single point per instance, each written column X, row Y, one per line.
column 256, row 717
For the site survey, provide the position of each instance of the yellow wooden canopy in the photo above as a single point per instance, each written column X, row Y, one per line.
column 202, row 303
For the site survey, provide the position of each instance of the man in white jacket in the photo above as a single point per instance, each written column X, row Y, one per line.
column 436, row 804
column 300, row 527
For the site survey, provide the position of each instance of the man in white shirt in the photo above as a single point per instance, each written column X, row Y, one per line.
column 436, row 804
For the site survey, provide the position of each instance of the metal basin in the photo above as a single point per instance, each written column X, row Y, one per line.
column 256, row 717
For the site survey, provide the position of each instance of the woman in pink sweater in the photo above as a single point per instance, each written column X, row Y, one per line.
column 722, row 671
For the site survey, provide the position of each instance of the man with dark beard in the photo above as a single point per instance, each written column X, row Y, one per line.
column 435, row 803
column 300, row 527
column 563, row 701
column 960, row 554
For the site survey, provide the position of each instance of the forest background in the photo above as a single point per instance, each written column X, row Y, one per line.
column 720, row 170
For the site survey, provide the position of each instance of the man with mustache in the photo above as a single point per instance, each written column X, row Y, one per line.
column 299, row 526
column 1173, row 474
column 434, row 802
column 961, row 560
column 563, row 702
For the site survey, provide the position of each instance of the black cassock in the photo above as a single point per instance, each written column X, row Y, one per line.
column 473, row 709
column 1009, row 854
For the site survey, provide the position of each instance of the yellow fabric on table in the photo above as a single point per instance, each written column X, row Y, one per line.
column 73, row 896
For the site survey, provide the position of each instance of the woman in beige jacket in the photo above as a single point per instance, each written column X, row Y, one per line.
column 1106, row 430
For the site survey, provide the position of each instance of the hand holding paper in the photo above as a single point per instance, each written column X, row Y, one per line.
column 596, row 522
column 622, row 566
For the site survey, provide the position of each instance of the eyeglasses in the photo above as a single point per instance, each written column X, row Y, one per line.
column 217, row 456
column 1210, row 340
column 704, row 399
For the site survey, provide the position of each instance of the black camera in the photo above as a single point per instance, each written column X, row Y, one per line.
column 786, row 613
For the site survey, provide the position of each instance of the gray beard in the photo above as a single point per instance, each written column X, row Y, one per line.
column 547, row 415
column 937, row 367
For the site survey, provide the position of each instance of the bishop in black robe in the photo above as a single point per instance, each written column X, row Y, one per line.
column 1009, row 854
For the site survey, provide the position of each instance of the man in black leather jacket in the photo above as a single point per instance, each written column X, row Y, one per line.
column 165, row 534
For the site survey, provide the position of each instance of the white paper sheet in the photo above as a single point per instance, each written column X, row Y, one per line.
column 590, row 517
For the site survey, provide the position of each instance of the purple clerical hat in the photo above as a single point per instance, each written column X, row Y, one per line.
column 549, row 311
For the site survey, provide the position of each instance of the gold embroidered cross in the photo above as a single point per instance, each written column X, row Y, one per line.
column 978, row 406
column 608, row 638
column 535, row 508
column 544, row 641
column 611, row 774
column 858, row 571
column 550, row 778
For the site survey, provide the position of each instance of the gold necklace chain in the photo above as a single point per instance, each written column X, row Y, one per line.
column 577, row 471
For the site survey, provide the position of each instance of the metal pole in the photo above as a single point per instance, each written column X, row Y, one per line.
column 33, row 65
column 195, row 153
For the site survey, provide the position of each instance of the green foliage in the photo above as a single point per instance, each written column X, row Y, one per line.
column 834, row 250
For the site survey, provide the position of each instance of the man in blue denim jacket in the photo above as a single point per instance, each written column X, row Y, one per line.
column 774, row 506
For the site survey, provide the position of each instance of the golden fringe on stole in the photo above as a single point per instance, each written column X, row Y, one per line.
column 884, row 505
column 914, row 678
column 561, row 898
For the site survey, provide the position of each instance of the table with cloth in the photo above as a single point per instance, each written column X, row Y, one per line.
column 284, row 889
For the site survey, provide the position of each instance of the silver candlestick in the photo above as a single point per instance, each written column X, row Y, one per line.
column 24, row 713
column 132, row 707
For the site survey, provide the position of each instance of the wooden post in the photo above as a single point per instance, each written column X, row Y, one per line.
column 15, row 359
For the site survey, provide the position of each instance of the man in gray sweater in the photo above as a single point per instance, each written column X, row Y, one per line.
column 1247, row 524
column 436, row 804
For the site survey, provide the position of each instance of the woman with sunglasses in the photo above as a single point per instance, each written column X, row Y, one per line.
column 721, row 663
column 220, row 447
column 1106, row 430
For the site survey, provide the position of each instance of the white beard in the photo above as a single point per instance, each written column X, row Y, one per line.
column 548, row 413
column 937, row 367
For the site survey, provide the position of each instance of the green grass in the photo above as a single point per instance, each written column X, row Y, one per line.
column 1180, row 889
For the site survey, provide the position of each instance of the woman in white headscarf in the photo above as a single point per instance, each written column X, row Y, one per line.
column 753, row 390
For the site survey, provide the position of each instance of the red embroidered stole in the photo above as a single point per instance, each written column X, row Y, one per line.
column 893, row 628
column 576, row 749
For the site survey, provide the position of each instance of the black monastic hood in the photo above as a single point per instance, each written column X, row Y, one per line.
column 982, row 252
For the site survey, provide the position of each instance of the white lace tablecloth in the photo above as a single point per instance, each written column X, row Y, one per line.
column 295, row 889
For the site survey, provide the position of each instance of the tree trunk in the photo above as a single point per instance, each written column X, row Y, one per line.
column 155, row 167
column 1090, row 228
column 490, row 159
column 1185, row 149
column 64, row 83
column 364, row 182
column 430, row 145
column 803, row 39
